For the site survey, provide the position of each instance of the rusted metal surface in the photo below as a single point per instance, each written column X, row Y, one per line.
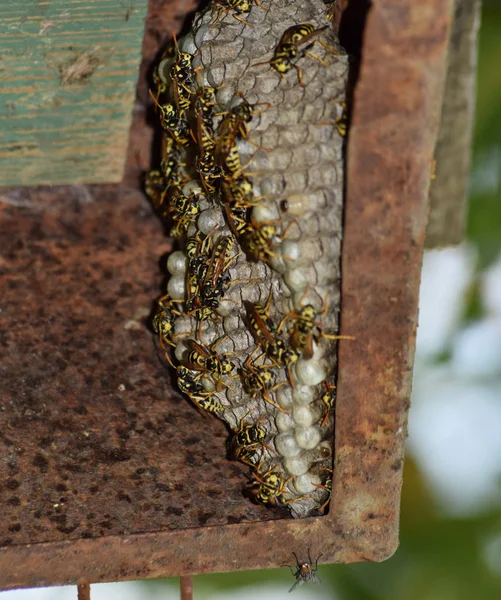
column 187, row 587
column 83, row 591
column 83, row 274
column 94, row 442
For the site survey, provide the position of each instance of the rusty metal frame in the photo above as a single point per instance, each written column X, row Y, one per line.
column 392, row 137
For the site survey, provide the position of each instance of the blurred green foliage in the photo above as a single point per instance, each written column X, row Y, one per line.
column 484, row 214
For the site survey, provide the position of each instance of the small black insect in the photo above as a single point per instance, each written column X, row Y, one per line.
column 305, row 572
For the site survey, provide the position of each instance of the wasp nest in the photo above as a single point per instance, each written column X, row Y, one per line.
column 251, row 101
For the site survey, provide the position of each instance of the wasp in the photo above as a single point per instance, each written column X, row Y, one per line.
column 154, row 186
column 183, row 210
column 237, row 192
column 192, row 387
column 205, row 359
column 170, row 164
column 264, row 333
column 239, row 7
column 326, row 485
column 163, row 323
column 288, row 47
column 198, row 252
column 234, row 126
column 182, row 76
column 259, row 379
column 215, row 276
column 159, row 79
column 256, row 241
column 271, row 487
column 204, row 103
column 305, row 572
column 171, row 121
column 329, row 399
column 247, row 442
column 330, row 6
column 196, row 245
column 307, row 329
column 341, row 122
column 188, row 382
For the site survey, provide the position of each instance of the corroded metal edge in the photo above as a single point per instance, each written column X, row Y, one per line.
column 393, row 132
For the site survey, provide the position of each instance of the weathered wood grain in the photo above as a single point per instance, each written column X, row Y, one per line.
column 68, row 71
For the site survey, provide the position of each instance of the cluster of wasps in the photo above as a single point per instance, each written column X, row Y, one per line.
column 200, row 144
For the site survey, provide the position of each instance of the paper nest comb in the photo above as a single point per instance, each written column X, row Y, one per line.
column 291, row 153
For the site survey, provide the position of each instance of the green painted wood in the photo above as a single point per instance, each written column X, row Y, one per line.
column 68, row 72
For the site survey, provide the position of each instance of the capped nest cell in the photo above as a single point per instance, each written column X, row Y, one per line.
column 251, row 186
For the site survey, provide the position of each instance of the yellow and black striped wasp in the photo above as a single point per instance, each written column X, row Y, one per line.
column 326, row 485
column 329, row 399
column 239, row 7
column 263, row 331
column 170, row 163
column 192, row 387
column 233, row 126
column 288, row 47
column 206, row 162
column 259, row 380
column 183, row 210
column 183, row 79
column 307, row 329
column 216, row 276
column 171, row 121
column 154, row 186
column 207, row 360
column 163, row 323
column 247, row 443
column 269, row 487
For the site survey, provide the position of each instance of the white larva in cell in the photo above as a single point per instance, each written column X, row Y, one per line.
column 286, row 446
column 310, row 372
column 304, row 415
column 296, row 279
column 187, row 44
column 176, row 263
column 163, row 70
column 284, row 396
column 209, row 219
column 193, row 186
column 303, row 395
column 263, row 214
column 277, row 263
column 307, row 437
column 305, row 484
column 180, row 351
column 176, row 287
column 208, row 384
column 291, row 253
column 297, row 465
column 284, row 422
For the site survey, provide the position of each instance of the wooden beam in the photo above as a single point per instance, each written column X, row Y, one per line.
column 68, row 74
